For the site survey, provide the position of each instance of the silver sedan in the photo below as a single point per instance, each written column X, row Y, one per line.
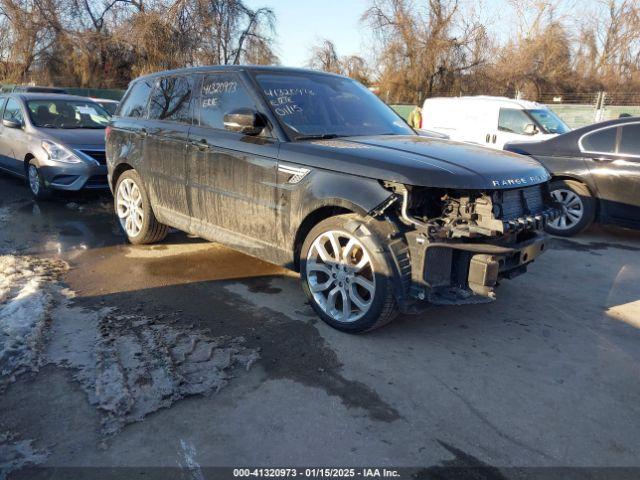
column 54, row 141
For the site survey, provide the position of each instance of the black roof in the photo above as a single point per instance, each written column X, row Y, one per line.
column 565, row 144
column 237, row 68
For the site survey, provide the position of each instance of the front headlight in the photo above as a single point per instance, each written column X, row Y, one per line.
column 58, row 153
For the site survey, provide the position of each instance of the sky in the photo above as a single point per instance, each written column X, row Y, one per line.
column 302, row 23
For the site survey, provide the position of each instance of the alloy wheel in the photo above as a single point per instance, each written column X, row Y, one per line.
column 340, row 276
column 572, row 209
column 129, row 207
column 34, row 179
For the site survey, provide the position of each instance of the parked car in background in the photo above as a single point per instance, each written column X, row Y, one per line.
column 596, row 174
column 36, row 89
column 491, row 121
column 109, row 105
column 312, row 171
column 54, row 141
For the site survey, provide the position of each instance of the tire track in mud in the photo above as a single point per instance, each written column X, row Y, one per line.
column 132, row 365
column 128, row 365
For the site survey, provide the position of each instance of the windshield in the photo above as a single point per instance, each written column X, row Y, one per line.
column 56, row 113
column 316, row 105
column 110, row 107
column 548, row 121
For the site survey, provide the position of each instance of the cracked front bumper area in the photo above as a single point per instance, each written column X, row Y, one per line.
column 458, row 273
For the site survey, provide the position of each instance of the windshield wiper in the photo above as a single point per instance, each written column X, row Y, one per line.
column 324, row 136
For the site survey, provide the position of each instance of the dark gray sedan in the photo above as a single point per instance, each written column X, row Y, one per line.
column 54, row 141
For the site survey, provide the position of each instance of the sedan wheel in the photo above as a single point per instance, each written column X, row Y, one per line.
column 34, row 179
column 37, row 186
column 129, row 207
column 577, row 204
column 572, row 209
column 340, row 276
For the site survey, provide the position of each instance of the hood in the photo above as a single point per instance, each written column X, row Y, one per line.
column 74, row 137
column 419, row 161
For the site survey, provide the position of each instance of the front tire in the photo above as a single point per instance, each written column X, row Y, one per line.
column 36, row 184
column 134, row 211
column 347, row 276
column 578, row 208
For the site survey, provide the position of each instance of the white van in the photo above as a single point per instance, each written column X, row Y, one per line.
column 491, row 121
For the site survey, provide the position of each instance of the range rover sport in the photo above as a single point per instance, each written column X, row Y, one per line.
column 312, row 171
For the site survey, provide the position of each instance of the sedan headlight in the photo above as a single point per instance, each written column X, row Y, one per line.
column 58, row 153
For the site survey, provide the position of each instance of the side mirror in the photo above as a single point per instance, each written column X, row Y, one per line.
column 244, row 120
column 11, row 123
column 530, row 129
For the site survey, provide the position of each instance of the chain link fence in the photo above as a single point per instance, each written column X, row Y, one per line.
column 576, row 109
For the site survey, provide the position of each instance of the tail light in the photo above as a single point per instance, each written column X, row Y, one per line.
column 107, row 131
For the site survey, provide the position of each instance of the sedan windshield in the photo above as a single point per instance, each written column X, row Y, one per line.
column 324, row 106
column 549, row 121
column 56, row 113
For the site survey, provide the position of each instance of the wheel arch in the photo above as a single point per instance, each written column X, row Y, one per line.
column 119, row 170
column 27, row 159
column 312, row 219
column 581, row 180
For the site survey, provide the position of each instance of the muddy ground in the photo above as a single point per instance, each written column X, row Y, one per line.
column 189, row 355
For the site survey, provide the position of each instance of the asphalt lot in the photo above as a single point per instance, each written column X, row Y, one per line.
column 545, row 376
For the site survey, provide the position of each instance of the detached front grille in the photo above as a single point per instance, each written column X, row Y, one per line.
column 522, row 202
column 98, row 155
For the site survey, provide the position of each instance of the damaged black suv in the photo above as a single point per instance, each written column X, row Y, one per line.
column 312, row 171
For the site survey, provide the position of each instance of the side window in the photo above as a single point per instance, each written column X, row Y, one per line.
column 220, row 94
column 630, row 141
column 513, row 121
column 171, row 100
column 12, row 111
column 2, row 102
column 135, row 103
column 602, row 141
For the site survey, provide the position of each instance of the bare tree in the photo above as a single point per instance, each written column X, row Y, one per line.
column 424, row 49
column 609, row 51
column 231, row 27
column 324, row 57
column 103, row 43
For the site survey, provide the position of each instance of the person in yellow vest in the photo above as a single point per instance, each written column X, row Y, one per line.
column 415, row 117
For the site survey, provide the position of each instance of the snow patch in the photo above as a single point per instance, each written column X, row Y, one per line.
column 15, row 454
column 187, row 460
column 26, row 285
column 131, row 365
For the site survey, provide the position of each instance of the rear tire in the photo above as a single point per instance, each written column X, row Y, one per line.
column 134, row 211
column 578, row 208
column 353, row 290
column 35, row 182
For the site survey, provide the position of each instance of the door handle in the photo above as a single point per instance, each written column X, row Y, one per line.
column 141, row 133
column 602, row 159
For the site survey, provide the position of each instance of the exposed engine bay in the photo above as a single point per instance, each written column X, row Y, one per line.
column 462, row 242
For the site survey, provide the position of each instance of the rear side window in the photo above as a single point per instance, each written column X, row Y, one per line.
column 135, row 103
column 602, row 141
column 12, row 111
column 630, row 141
column 171, row 100
column 513, row 120
column 220, row 94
